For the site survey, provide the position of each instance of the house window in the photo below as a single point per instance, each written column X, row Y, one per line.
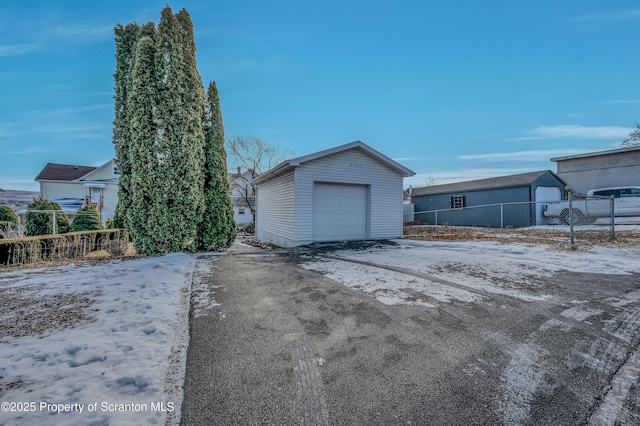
column 115, row 171
column 241, row 210
column 457, row 202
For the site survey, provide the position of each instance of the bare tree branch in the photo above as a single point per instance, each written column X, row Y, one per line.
column 255, row 156
column 633, row 139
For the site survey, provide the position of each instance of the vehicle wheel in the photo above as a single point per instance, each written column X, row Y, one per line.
column 578, row 217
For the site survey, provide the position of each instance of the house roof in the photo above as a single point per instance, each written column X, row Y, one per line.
column 522, row 179
column 64, row 172
column 597, row 153
column 295, row 162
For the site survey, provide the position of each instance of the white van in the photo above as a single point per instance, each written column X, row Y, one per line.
column 627, row 199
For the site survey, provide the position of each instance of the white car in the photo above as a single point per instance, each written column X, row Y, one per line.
column 626, row 199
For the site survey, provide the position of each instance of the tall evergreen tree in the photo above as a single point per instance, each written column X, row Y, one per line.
column 141, row 218
column 160, row 141
column 180, row 140
column 218, row 229
column 125, row 41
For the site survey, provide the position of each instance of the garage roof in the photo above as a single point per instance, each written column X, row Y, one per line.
column 481, row 184
column 295, row 162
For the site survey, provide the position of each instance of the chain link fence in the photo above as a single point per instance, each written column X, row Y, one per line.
column 588, row 218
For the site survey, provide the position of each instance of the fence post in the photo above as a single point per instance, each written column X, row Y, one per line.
column 84, row 246
column 53, row 216
column 436, row 223
column 613, row 221
column 571, row 235
column 501, row 216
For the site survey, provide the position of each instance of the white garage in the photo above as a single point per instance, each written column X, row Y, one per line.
column 350, row 192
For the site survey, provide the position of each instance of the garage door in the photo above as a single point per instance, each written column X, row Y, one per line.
column 339, row 212
column 545, row 193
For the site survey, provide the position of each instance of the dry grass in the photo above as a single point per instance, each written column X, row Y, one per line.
column 559, row 239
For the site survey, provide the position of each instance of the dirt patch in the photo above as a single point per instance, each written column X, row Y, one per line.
column 29, row 312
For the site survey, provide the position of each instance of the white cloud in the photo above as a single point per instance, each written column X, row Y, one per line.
column 576, row 131
column 622, row 101
column 18, row 49
column 531, row 155
column 84, row 32
column 609, row 17
column 31, row 150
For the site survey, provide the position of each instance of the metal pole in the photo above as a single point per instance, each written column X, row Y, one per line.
column 613, row 221
column 501, row 216
column 573, row 243
column 436, row 224
column 53, row 215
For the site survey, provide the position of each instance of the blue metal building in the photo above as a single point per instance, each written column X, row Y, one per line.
column 508, row 201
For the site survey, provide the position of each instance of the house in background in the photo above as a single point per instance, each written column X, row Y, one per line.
column 74, row 186
column 616, row 167
column 242, row 193
column 349, row 192
column 454, row 202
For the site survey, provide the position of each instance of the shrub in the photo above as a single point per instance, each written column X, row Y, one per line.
column 116, row 248
column 69, row 249
column 8, row 222
column 8, row 215
column 41, row 223
column 87, row 219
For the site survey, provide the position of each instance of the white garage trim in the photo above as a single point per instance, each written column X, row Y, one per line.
column 340, row 211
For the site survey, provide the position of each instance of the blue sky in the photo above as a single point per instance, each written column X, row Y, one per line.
column 454, row 90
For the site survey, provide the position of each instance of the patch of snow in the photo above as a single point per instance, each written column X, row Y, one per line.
column 201, row 294
column 580, row 314
column 387, row 286
column 522, row 378
column 123, row 364
column 614, row 401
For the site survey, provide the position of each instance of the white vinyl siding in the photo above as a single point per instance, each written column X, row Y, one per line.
column 275, row 211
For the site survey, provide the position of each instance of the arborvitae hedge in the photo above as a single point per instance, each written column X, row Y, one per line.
column 218, row 229
column 160, row 142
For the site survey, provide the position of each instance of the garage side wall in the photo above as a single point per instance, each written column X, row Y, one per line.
column 384, row 215
column 275, row 218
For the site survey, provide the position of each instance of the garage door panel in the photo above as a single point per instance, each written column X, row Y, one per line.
column 339, row 212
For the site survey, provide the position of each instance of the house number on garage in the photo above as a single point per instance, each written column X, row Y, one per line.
column 356, row 165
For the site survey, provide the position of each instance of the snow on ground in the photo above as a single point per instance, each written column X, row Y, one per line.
column 95, row 343
column 476, row 268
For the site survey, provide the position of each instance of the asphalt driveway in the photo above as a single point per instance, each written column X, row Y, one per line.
column 289, row 341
